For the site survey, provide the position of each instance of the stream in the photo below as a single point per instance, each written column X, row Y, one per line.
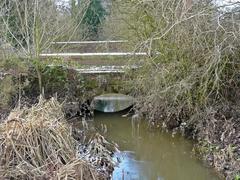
column 147, row 155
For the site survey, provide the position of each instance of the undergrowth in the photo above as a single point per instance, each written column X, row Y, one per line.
column 193, row 66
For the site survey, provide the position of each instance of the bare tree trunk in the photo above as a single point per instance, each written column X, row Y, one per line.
column 31, row 26
column 187, row 4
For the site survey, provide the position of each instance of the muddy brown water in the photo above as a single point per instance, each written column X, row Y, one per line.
column 148, row 155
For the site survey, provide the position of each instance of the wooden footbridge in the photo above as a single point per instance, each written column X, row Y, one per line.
column 95, row 57
column 104, row 63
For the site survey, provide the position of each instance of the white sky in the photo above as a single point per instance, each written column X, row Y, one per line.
column 220, row 2
column 63, row 2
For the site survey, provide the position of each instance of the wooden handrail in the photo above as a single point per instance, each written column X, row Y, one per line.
column 90, row 42
column 94, row 54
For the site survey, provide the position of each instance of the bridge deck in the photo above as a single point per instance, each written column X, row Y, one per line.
column 102, row 69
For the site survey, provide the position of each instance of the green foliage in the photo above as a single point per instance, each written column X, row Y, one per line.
column 93, row 18
column 54, row 79
column 237, row 177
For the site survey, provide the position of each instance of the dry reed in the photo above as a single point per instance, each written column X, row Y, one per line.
column 36, row 143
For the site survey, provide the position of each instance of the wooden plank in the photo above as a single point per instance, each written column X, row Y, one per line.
column 101, row 69
column 115, row 71
column 93, row 54
column 90, row 42
column 105, row 69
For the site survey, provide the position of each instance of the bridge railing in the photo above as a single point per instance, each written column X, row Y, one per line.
column 86, row 53
column 89, row 42
column 115, row 48
column 89, row 46
column 122, row 54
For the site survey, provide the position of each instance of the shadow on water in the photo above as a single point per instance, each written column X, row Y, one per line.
column 151, row 155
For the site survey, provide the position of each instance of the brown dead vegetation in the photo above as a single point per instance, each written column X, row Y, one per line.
column 37, row 143
column 219, row 137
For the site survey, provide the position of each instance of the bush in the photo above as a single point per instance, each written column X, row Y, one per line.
column 193, row 55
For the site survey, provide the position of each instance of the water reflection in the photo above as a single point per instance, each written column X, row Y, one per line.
column 151, row 155
column 129, row 168
column 112, row 102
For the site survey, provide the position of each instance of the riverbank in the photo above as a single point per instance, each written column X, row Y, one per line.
column 190, row 81
column 38, row 143
column 218, row 139
column 214, row 129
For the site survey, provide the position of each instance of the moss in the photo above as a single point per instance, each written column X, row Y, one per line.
column 8, row 90
column 15, row 65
